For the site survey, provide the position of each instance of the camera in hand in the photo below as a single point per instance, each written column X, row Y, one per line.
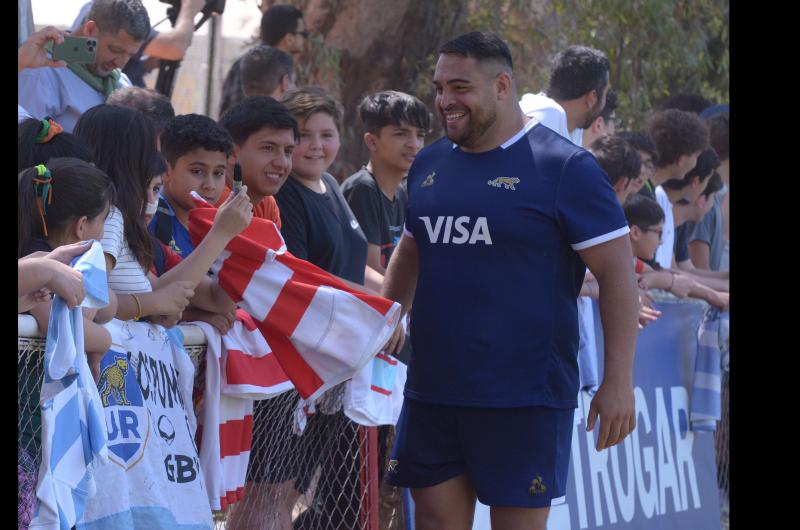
column 211, row 7
column 166, row 70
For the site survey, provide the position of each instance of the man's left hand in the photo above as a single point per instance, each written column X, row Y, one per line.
column 615, row 405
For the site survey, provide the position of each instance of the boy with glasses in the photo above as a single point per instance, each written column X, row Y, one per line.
column 648, row 153
column 646, row 221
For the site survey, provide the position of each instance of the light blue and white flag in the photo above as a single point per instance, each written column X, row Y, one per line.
column 712, row 356
column 73, row 424
column 724, row 340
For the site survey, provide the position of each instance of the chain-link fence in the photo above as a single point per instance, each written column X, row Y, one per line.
column 722, row 438
column 327, row 478
column 330, row 477
column 29, row 424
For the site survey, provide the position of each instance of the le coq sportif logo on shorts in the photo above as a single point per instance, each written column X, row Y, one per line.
column 537, row 486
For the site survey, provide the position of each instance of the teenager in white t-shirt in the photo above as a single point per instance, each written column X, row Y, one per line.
column 679, row 137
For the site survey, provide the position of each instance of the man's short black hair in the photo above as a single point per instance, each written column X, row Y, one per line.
column 686, row 102
column 481, row 46
column 676, row 133
column 642, row 211
column 641, row 142
column 707, row 162
column 576, row 71
column 277, row 21
column 154, row 105
column 263, row 67
column 111, row 16
column 391, row 107
column 618, row 158
column 188, row 132
column 254, row 113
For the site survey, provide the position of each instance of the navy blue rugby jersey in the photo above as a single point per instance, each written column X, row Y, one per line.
column 494, row 319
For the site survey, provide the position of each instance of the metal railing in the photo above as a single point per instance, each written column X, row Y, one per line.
column 330, row 477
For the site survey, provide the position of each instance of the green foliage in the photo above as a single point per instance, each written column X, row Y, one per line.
column 322, row 66
column 656, row 47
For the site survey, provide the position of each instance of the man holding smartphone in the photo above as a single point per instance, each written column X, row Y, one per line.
column 118, row 27
column 157, row 46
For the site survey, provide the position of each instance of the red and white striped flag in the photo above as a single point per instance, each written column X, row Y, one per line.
column 250, row 368
column 239, row 368
column 321, row 331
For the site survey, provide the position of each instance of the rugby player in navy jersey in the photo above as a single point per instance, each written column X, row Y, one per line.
column 504, row 216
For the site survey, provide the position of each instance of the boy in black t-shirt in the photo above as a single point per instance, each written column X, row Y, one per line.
column 396, row 124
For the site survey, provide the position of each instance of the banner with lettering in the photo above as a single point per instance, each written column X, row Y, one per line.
column 663, row 476
column 153, row 479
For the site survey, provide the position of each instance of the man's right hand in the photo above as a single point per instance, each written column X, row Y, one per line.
column 396, row 341
column 32, row 53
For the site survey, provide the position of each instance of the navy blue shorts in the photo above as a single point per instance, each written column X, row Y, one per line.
column 516, row 457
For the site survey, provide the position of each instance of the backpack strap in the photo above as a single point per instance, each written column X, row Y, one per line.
column 159, row 256
column 163, row 228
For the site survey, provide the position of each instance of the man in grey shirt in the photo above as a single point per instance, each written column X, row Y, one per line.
column 708, row 233
column 708, row 241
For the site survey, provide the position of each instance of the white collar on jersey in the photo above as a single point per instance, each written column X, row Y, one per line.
column 525, row 128
column 511, row 141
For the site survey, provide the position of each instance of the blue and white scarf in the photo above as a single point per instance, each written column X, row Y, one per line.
column 712, row 357
column 73, row 424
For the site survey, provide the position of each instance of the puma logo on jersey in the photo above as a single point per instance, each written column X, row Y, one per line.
column 428, row 181
column 458, row 230
column 507, row 182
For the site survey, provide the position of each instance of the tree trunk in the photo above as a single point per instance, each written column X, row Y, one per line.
column 382, row 44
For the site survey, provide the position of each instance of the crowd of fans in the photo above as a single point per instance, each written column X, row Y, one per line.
column 102, row 159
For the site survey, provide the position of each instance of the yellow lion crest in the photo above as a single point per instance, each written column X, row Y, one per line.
column 113, row 380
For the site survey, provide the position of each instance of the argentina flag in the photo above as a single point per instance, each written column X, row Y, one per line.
column 712, row 356
column 73, row 424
